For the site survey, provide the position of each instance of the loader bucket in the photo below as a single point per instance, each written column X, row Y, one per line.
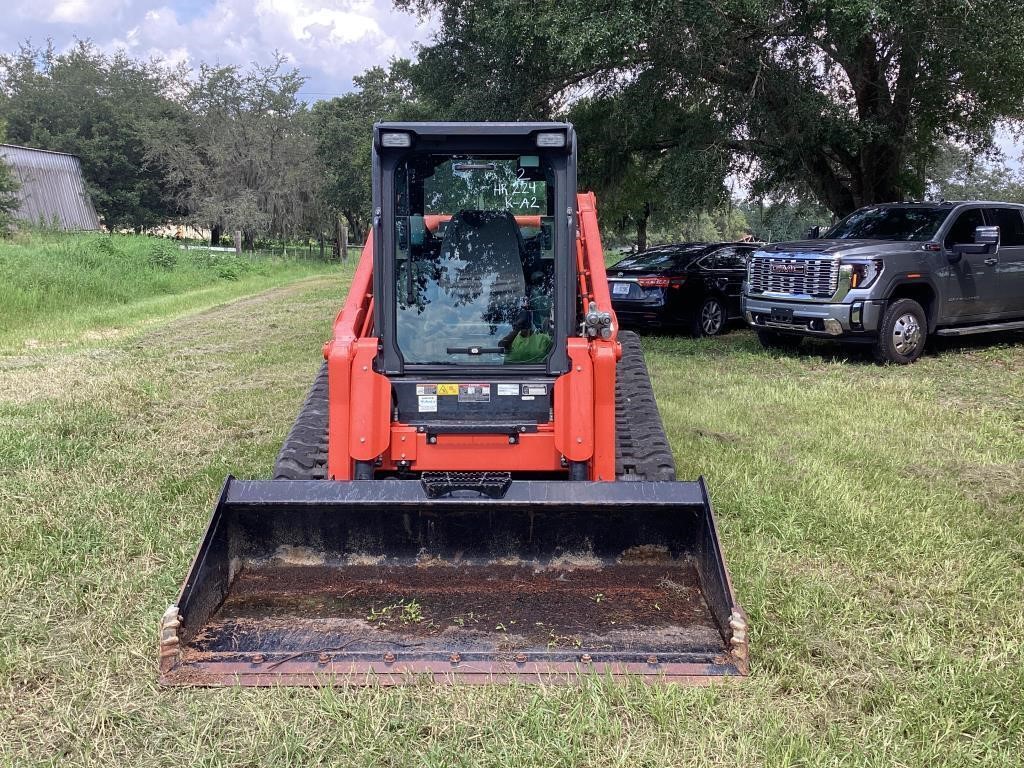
column 321, row 582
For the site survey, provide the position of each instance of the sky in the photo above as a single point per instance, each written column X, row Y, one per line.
column 329, row 41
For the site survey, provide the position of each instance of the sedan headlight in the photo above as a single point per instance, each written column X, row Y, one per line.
column 863, row 273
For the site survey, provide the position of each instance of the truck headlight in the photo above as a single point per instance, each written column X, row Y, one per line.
column 863, row 273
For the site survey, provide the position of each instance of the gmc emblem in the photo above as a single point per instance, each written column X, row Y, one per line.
column 787, row 269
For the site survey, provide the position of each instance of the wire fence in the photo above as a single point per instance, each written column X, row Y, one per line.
column 326, row 250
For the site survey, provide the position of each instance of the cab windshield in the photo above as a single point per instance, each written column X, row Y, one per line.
column 881, row 223
column 474, row 259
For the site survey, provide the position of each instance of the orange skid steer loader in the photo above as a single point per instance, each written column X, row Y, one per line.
column 478, row 486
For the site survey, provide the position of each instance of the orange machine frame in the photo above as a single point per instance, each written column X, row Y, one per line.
column 583, row 427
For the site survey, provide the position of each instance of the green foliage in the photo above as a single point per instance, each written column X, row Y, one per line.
column 957, row 174
column 242, row 157
column 343, row 130
column 847, row 101
column 784, row 219
column 164, row 255
column 630, row 157
column 102, row 108
column 8, row 191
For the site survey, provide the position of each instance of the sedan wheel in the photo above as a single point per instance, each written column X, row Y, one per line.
column 711, row 319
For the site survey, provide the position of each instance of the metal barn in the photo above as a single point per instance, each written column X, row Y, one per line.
column 52, row 189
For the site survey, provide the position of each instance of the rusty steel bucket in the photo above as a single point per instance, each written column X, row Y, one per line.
column 320, row 582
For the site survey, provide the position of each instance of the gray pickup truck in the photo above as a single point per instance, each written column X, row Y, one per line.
column 892, row 275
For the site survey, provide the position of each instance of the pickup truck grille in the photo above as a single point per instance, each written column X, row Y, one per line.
column 793, row 276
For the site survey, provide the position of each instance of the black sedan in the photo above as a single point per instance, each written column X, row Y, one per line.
column 690, row 286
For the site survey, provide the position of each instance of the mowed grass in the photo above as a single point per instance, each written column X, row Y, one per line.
column 60, row 288
column 871, row 518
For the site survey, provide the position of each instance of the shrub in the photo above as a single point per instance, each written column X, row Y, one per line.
column 164, row 255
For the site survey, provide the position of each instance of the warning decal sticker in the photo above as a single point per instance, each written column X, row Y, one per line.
column 473, row 393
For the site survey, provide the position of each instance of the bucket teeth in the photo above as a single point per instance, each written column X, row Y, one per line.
column 169, row 643
column 738, row 641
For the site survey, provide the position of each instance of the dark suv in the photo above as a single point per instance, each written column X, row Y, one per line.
column 694, row 286
column 891, row 275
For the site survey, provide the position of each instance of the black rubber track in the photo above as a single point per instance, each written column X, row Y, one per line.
column 304, row 453
column 642, row 451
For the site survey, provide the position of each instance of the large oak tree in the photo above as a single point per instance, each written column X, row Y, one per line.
column 846, row 99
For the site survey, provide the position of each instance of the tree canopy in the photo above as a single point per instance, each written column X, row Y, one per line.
column 242, row 158
column 848, row 101
column 100, row 107
column 342, row 128
column 819, row 107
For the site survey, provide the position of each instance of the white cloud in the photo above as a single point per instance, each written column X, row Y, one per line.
column 329, row 41
column 67, row 12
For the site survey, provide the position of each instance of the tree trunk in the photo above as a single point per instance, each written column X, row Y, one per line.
column 355, row 232
column 215, row 232
column 641, row 228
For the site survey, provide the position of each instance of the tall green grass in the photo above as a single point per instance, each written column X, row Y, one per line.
column 54, row 287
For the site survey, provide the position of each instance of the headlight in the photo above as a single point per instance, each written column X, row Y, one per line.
column 395, row 140
column 863, row 273
column 551, row 139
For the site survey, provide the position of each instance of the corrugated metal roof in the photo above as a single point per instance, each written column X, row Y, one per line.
column 52, row 189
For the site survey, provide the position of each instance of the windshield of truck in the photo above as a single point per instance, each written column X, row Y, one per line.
column 881, row 223
column 474, row 259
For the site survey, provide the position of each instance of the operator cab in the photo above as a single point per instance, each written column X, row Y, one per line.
column 475, row 268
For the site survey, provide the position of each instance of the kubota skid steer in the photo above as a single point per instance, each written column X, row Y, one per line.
column 477, row 487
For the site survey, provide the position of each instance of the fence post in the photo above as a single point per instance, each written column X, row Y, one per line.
column 344, row 241
column 238, row 242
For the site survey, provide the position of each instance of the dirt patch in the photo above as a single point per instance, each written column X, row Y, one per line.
column 291, row 608
column 718, row 437
column 997, row 482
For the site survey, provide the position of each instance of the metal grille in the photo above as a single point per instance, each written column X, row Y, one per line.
column 818, row 277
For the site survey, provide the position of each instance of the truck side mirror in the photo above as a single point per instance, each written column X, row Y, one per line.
column 986, row 240
column 813, row 233
column 986, row 236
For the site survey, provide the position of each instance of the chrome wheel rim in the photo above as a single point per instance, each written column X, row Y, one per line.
column 711, row 318
column 906, row 334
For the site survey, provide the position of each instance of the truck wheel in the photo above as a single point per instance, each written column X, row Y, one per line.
column 902, row 333
column 783, row 341
column 710, row 319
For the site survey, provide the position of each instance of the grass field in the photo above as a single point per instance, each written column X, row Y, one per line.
column 873, row 519
column 61, row 288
